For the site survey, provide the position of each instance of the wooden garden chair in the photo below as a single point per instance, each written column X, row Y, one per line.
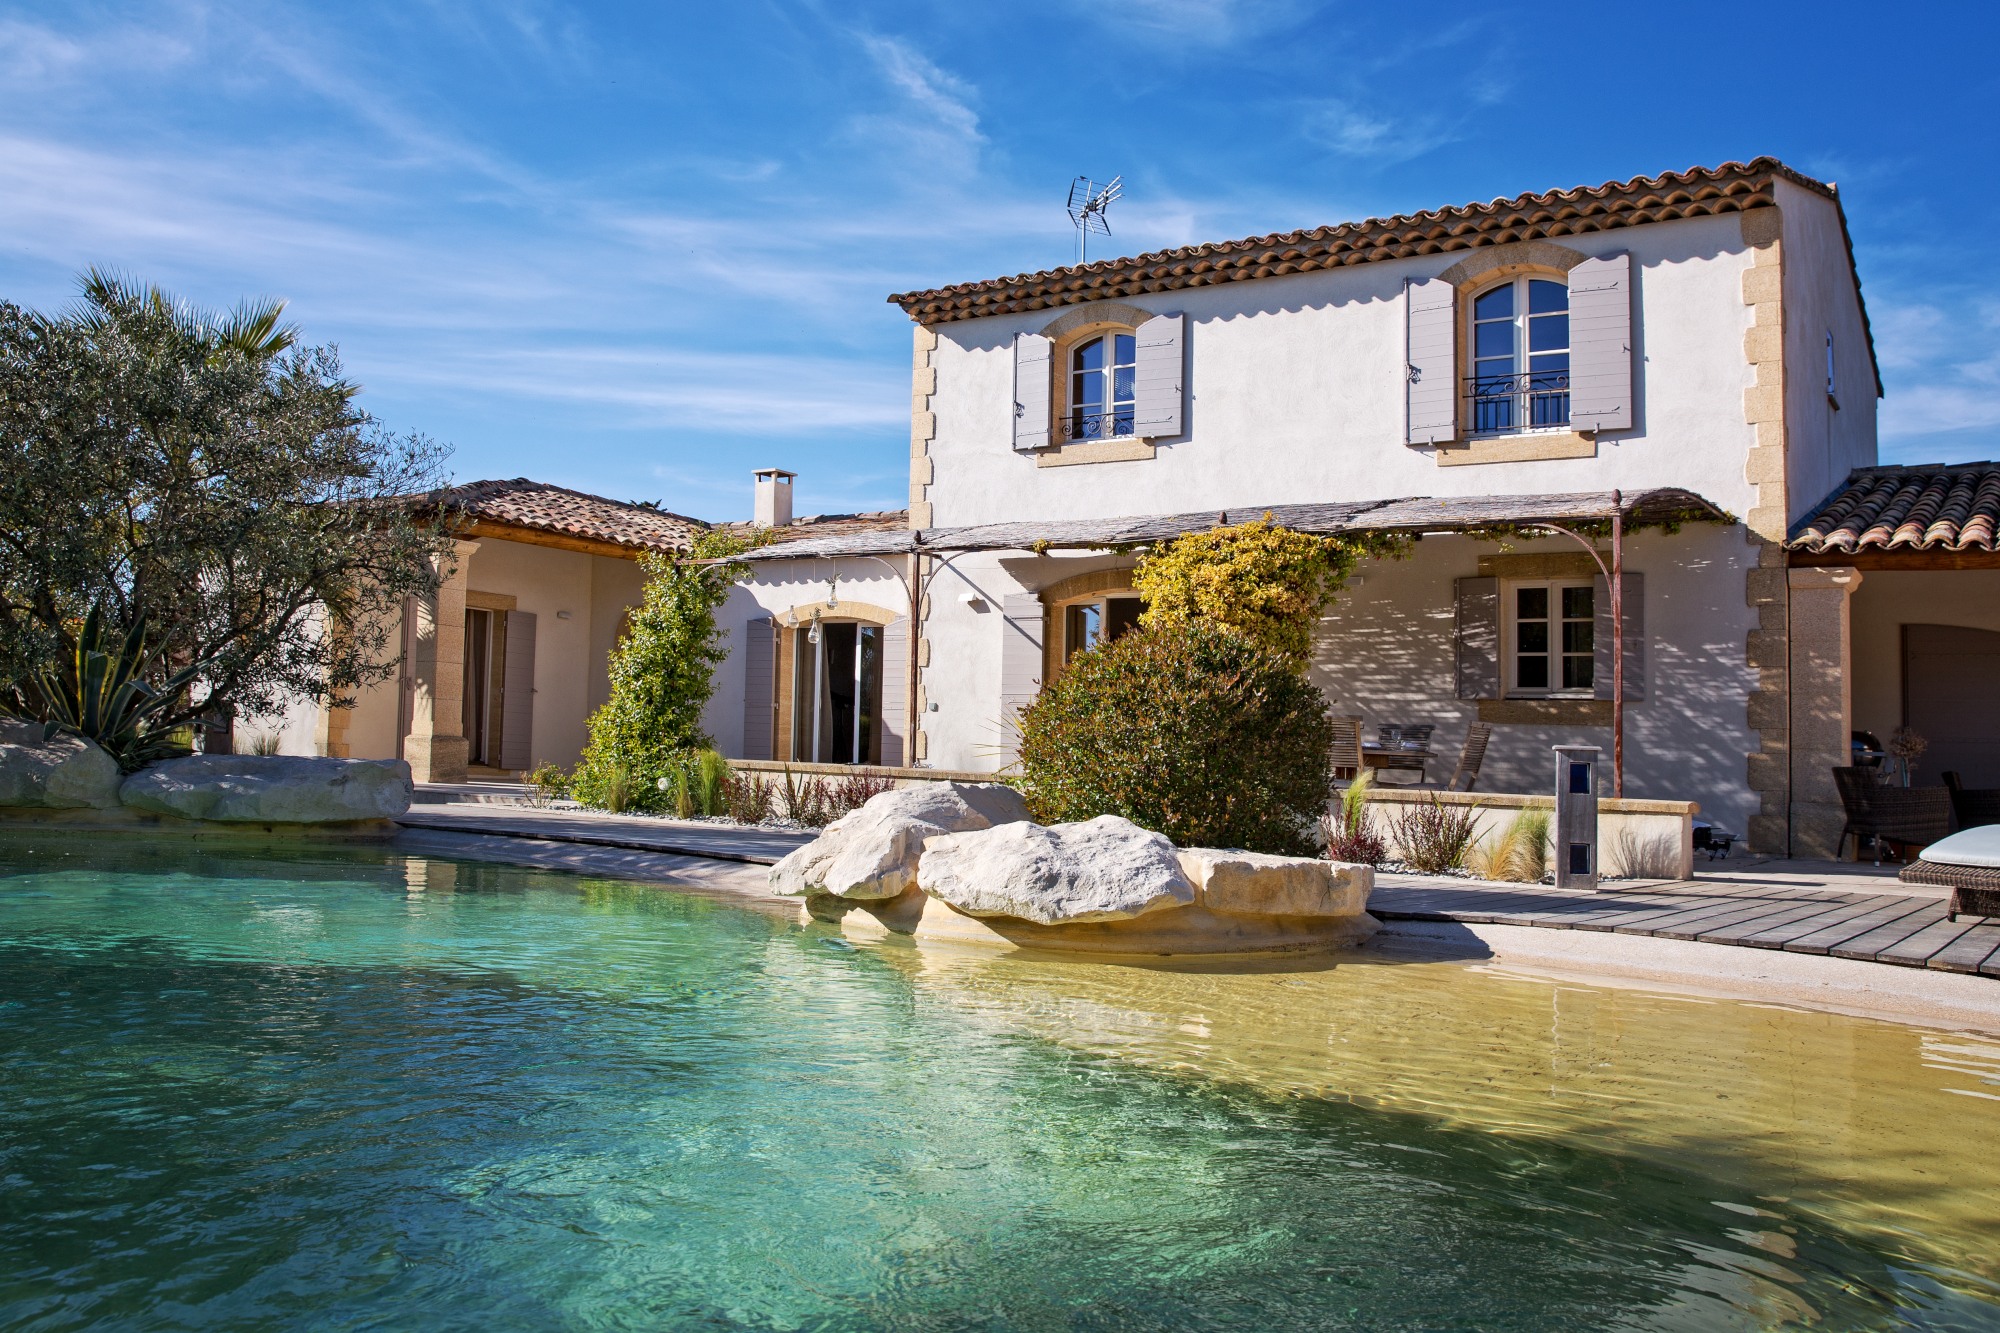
column 1347, row 759
column 1469, row 759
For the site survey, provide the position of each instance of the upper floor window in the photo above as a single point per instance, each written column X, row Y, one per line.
column 1520, row 357
column 1103, row 379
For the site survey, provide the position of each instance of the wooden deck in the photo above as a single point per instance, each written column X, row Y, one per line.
column 1901, row 928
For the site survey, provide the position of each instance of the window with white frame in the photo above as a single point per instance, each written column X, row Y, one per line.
column 1831, row 395
column 1103, row 382
column 1520, row 357
column 1551, row 638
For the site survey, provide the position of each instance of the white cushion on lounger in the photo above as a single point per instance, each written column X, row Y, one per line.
column 1974, row 847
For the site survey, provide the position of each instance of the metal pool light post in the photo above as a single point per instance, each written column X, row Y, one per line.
column 1576, row 816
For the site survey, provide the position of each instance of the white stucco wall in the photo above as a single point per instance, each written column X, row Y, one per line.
column 1386, row 652
column 1823, row 445
column 1297, row 395
column 775, row 587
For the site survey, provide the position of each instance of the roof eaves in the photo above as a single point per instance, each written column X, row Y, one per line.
column 1699, row 191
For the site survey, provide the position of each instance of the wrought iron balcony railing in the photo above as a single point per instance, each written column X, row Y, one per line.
column 1506, row 404
column 1098, row 425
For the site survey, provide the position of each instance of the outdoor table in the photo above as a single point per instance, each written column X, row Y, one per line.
column 1377, row 755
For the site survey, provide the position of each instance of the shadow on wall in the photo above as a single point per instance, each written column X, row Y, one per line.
column 1387, row 652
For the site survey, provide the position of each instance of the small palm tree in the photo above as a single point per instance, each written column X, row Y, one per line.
column 148, row 314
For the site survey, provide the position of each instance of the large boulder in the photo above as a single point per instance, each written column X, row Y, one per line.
column 1105, row 869
column 1259, row 884
column 277, row 789
column 871, row 853
column 64, row 772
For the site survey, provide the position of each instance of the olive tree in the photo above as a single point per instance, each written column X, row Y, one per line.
column 210, row 477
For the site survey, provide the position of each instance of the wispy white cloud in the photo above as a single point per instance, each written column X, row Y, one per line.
column 38, row 54
column 934, row 128
column 1203, row 22
column 1359, row 132
column 1941, row 360
column 720, row 392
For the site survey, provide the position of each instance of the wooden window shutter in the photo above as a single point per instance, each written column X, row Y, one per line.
column 1431, row 361
column 1021, row 631
column 517, row 695
column 1600, row 344
column 1477, row 639
column 1032, row 387
column 1159, row 390
column 1635, row 638
column 760, row 682
column 896, row 691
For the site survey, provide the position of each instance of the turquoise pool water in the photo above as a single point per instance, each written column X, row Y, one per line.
column 374, row 1092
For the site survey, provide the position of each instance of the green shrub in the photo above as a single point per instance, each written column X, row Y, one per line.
column 697, row 785
column 1261, row 580
column 550, row 783
column 1189, row 729
column 662, row 674
column 1434, row 837
column 1349, row 831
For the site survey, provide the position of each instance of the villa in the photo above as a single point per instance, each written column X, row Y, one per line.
column 1690, row 352
column 1695, row 344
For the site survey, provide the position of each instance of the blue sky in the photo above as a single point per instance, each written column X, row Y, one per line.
column 641, row 249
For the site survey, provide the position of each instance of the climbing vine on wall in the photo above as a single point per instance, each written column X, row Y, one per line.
column 662, row 675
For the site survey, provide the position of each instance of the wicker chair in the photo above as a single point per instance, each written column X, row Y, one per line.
column 1975, row 890
column 1907, row 816
column 1469, row 759
column 1972, row 806
column 1347, row 761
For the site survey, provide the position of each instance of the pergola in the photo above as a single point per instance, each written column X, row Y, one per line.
column 1579, row 515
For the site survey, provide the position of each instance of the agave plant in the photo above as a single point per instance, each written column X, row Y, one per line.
column 100, row 693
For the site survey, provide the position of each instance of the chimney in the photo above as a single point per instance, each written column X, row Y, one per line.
column 774, row 497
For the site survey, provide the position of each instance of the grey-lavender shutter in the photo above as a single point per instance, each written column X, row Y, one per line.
column 895, row 691
column 517, row 696
column 1020, row 662
column 1158, row 389
column 1031, row 391
column 760, row 681
column 1635, row 638
column 1600, row 344
column 1431, row 357
column 1477, row 639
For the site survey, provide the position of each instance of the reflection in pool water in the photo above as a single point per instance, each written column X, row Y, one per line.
column 357, row 1090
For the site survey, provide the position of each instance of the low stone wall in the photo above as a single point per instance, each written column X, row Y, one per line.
column 1635, row 839
column 903, row 777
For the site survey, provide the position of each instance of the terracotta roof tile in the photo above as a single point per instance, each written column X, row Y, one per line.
column 1952, row 507
column 540, row 507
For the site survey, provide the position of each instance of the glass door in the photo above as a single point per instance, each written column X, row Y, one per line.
column 837, row 693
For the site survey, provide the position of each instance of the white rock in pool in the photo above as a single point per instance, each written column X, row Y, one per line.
column 871, row 853
column 64, row 772
column 1105, row 869
column 241, row 788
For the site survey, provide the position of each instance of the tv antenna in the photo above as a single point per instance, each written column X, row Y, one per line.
column 1087, row 204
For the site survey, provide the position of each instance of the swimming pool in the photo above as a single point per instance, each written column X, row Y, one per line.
column 365, row 1089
